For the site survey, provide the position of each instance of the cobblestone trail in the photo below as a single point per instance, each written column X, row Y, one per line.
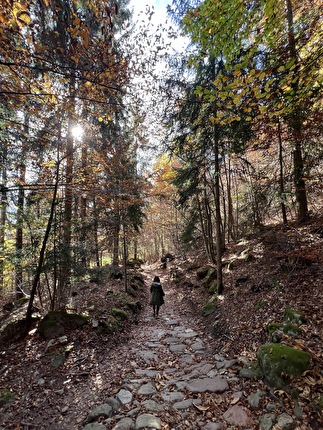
column 173, row 381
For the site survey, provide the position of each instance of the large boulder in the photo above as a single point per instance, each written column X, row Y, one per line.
column 293, row 316
column 280, row 363
column 57, row 323
column 202, row 272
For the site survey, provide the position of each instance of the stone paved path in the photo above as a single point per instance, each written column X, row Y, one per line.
column 173, row 381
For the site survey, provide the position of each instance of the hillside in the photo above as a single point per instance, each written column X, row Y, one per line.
column 58, row 385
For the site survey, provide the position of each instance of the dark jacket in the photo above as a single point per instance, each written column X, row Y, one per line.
column 156, row 294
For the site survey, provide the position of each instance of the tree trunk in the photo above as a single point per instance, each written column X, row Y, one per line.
column 204, row 230
column 3, row 212
column 116, row 239
column 41, row 256
column 135, row 249
column 83, row 207
column 19, row 232
column 83, row 235
column 219, row 244
column 231, row 227
column 209, row 226
column 125, row 256
column 218, row 222
column 65, row 272
column 281, row 175
column 96, row 234
column 296, row 125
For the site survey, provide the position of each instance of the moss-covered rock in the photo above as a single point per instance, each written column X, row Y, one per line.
column 293, row 316
column 98, row 275
column 138, row 279
column 210, row 277
column 209, row 307
column 134, row 286
column 119, row 314
column 20, row 302
column 280, row 363
column 177, row 276
column 110, row 325
column 12, row 332
column 6, row 396
column 57, row 323
column 213, row 288
column 134, row 306
column 131, row 291
column 262, row 304
column 202, row 272
column 190, row 266
column 277, row 330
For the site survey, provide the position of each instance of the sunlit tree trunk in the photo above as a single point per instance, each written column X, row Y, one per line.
column 83, row 207
column 19, row 231
column 65, row 271
column 20, row 217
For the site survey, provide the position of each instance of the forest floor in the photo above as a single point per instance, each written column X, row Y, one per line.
column 263, row 274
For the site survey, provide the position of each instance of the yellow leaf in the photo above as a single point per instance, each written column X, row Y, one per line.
column 281, row 68
column 50, row 163
column 237, row 100
column 201, row 408
column 23, row 17
column 75, row 59
column 234, row 401
column 100, row 119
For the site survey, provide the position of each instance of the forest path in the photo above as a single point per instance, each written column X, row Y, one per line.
column 167, row 377
column 158, row 373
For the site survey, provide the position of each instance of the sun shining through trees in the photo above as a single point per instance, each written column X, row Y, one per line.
column 214, row 116
column 77, row 131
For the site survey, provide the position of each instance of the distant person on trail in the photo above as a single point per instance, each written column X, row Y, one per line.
column 156, row 295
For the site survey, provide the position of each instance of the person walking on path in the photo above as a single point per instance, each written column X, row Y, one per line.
column 156, row 295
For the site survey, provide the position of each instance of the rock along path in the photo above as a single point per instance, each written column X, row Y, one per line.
column 173, row 381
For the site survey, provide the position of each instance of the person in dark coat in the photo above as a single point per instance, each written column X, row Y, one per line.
column 156, row 295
